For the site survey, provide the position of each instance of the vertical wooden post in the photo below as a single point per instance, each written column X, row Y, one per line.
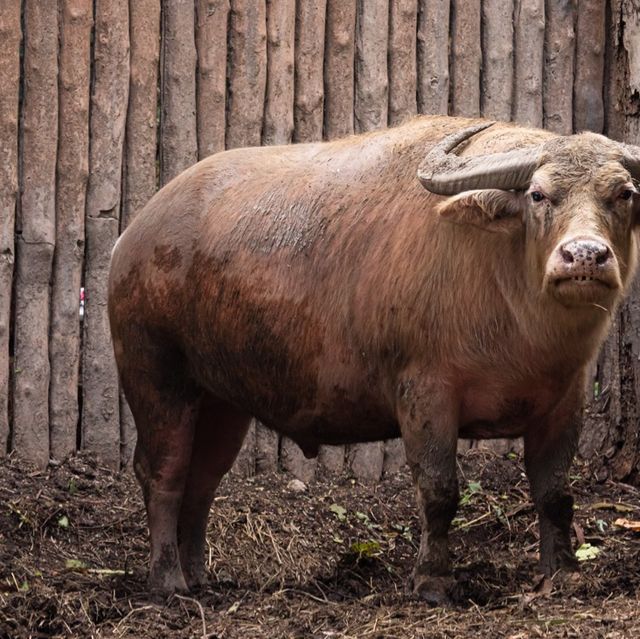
column 529, row 49
column 559, row 47
column 10, row 37
column 403, row 79
column 371, row 112
column 308, row 125
column 403, row 22
column 72, row 175
column 247, row 72
column 211, row 43
column 247, row 80
column 466, row 57
column 109, row 99
column 141, row 139
column 497, row 59
column 339, row 85
column 36, row 233
column 338, row 68
column 372, row 37
column 278, row 109
column 433, row 56
column 588, row 103
column 309, row 90
column 178, row 140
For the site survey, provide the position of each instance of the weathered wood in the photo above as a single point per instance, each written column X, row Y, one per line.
column 211, row 43
column 529, row 52
column 245, row 464
column 370, row 112
column 610, row 437
column 588, row 89
column 266, row 449
column 339, row 68
column 278, row 108
column 109, row 99
column 178, row 139
column 36, row 233
column 403, row 22
column 466, row 57
column 331, row 459
column 372, row 36
column 309, row 59
column 497, row 59
column 433, row 56
column 140, row 176
column 247, row 72
column 71, row 184
column 558, row 67
column 394, row 456
column 10, row 37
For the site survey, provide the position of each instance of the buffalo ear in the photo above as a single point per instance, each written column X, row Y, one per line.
column 484, row 207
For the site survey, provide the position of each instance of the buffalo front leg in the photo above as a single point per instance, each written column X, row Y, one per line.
column 549, row 450
column 429, row 426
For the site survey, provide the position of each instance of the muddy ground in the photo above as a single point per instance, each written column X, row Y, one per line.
column 330, row 562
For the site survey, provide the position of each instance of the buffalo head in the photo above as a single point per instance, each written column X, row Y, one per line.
column 572, row 200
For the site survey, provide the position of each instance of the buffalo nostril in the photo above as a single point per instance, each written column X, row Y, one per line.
column 567, row 255
column 603, row 255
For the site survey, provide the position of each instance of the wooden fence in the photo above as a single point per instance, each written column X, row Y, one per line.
column 104, row 101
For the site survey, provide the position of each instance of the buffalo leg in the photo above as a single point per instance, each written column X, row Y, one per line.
column 164, row 403
column 220, row 431
column 549, row 451
column 428, row 422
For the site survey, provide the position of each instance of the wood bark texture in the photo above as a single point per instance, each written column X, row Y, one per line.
column 466, row 57
column 529, row 24
column 371, row 96
column 371, row 112
column 497, row 59
column 433, row 56
column 211, row 43
column 403, row 20
column 339, row 56
column 309, row 89
column 10, row 38
column 247, row 72
column 140, row 175
column 610, row 436
column 109, row 99
column 559, row 66
column 36, row 233
column 72, row 174
column 178, row 139
column 278, row 108
column 588, row 99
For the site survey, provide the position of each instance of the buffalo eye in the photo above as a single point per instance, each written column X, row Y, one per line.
column 626, row 194
column 536, row 196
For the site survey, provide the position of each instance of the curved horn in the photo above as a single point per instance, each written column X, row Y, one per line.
column 631, row 159
column 446, row 174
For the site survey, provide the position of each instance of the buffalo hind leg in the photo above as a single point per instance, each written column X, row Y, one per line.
column 428, row 422
column 219, row 433
column 164, row 403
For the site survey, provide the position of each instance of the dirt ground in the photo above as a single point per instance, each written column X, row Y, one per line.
column 331, row 561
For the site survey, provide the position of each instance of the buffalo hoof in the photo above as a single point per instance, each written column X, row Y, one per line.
column 436, row 591
column 163, row 585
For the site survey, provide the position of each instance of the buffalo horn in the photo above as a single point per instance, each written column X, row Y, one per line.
column 631, row 160
column 446, row 174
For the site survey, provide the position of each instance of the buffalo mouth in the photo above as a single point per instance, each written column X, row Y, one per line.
column 583, row 289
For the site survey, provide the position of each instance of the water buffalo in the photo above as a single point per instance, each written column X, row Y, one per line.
column 447, row 278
